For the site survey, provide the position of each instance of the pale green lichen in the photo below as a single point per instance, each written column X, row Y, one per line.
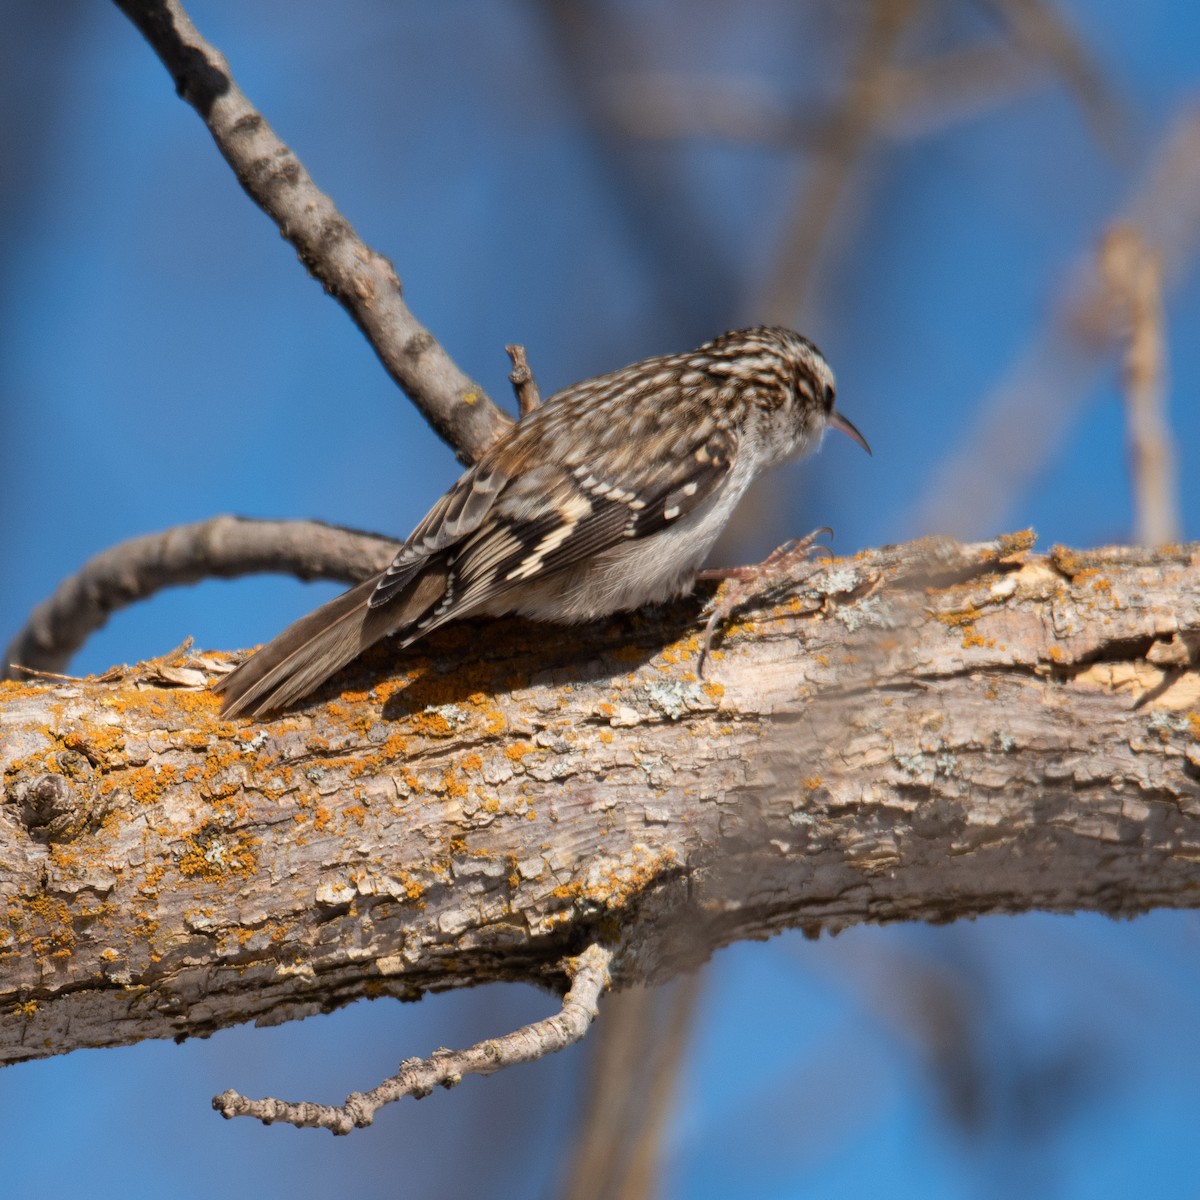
column 673, row 698
column 870, row 613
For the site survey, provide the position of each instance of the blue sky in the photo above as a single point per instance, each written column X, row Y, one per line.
column 164, row 358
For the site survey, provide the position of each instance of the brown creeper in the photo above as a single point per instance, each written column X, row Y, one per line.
column 605, row 498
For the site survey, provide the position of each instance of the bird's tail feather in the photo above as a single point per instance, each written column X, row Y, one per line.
column 313, row 648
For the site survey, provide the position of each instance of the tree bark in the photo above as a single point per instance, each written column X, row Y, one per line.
column 923, row 732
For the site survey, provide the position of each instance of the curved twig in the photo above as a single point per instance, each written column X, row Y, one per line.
column 362, row 281
column 418, row 1077
column 222, row 547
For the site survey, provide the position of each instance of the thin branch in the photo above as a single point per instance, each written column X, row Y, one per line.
column 222, row 547
column 646, row 1159
column 588, row 973
column 1020, row 425
column 851, row 128
column 1133, row 272
column 359, row 278
column 941, row 91
column 521, row 377
column 1039, row 28
column 636, row 1055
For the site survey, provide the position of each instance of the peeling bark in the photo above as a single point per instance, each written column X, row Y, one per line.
column 923, row 732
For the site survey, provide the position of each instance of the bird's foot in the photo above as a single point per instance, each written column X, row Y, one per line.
column 780, row 568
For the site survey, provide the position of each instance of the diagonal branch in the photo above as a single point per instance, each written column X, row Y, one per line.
column 360, row 279
column 588, row 973
column 851, row 129
column 221, row 547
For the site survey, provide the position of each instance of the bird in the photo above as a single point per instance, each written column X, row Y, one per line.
column 605, row 498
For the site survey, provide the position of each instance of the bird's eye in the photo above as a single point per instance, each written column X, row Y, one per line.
column 829, row 397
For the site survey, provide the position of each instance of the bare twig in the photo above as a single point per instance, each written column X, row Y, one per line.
column 1133, row 272
column 521, row 377
column 418, row 1077
column 221, row 547
column 1022, row 422
column 851, row 127
column 941, row 91
column 359, row 278
column 645, row 1161
column 636, row 1054
column 687, row 289
column 1039, row 28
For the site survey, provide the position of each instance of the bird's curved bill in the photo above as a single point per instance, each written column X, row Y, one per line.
column 837, row 421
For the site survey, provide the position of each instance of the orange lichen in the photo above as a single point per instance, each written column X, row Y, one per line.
column 971, row 638
column 1067, row 560
column 431, row 725
column 413, row 890
column 146, row 784
column 51, row 918
column 1012, row 544
column 97, row 743
column 214, row 857
column 517, row 751
column 153, row 877
column 454, row 785
column 957, row 617
column 394, row 746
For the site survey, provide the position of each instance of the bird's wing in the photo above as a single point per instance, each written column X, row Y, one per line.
column 460, row 512
column 553, row 517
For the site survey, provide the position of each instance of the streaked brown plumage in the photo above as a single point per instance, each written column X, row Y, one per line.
column 605, row 498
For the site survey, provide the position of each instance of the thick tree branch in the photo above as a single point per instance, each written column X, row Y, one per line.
column 920, row 733
column 362, row 281
column 221, row 547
